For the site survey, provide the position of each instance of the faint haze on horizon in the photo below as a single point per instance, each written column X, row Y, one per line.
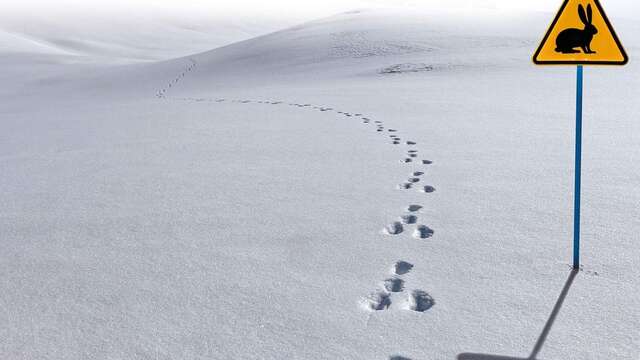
column 284, row 8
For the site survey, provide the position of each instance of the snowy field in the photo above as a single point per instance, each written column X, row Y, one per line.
column 379, row 184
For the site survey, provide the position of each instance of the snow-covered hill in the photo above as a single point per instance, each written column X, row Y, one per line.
column 374, row 185
column 132, row 34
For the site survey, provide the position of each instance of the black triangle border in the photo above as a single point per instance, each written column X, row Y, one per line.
column 582, row 62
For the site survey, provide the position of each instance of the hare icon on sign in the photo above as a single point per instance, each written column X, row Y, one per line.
column 569, row 39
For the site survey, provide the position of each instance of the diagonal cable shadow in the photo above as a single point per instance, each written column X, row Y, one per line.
column 543, row 336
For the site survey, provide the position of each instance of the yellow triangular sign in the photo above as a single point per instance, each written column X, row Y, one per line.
column 580, row 34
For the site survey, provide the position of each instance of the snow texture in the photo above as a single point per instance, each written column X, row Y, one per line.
column 229, row 204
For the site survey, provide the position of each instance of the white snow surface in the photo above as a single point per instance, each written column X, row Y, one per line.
column 246, row 211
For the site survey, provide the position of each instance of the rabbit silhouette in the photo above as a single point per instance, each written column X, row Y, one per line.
column 572, row 38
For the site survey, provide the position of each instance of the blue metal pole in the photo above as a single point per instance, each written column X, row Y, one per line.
column 578, row 170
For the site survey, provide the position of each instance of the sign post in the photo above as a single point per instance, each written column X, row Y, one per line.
column 580, row 34
column 578, row 172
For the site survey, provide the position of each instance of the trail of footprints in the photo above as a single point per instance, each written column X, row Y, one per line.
column 391, row 293
column 162, row 93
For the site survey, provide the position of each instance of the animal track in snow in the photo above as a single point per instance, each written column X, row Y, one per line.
column 408, row 219
column 420, row 301
column 378, row 300
column 428, row 189
column 394, row 284
column 422, row 232
column 381, row 299
column 162, row 92
column 402, row 267
column 394, row 228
